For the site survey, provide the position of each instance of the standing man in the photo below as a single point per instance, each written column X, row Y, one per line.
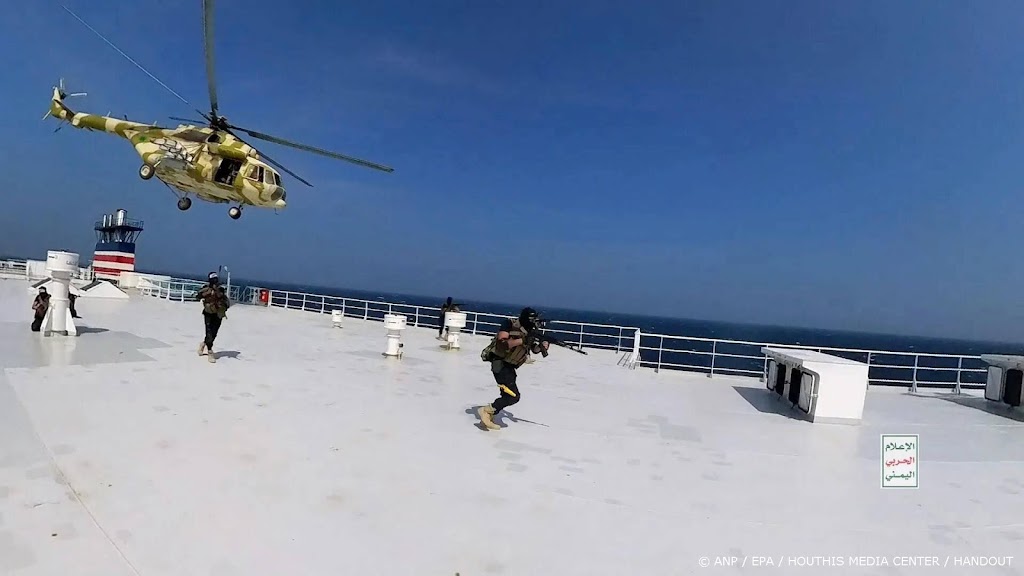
column 446, row 307
column 71, row 305
column 215, row 307
column 506, row 352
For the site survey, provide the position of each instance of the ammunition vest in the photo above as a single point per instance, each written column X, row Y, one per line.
column 214, row 300
column 516, row 356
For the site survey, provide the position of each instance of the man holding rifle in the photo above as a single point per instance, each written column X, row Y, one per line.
column 510, row 349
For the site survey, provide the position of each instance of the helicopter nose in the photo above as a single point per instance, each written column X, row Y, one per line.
column 278, row 197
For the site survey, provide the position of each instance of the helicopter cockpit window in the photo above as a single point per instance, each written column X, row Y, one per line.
column 255, row 173
column 268, row 176
column 214, row 138
column 277, row 179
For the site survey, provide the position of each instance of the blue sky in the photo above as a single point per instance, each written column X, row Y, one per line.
column 843, row 165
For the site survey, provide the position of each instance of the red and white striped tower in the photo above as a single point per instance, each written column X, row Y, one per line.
column 115, row 245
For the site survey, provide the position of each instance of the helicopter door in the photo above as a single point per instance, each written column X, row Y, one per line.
column 227, row 171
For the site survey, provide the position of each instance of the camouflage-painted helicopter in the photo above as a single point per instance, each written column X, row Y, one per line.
column 210, row 162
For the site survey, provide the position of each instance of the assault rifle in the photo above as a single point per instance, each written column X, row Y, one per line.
column 538, row 336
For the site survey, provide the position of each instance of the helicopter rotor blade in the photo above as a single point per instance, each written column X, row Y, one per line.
column 208, row 50
column 272, row 161
column 314, row 149
column 127, row 57
column 189, row 120
column 281, row 167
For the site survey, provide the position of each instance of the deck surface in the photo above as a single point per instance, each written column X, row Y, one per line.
column 303, row 451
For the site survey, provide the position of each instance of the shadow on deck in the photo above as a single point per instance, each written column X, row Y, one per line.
column 980, row 403
column 766, row 402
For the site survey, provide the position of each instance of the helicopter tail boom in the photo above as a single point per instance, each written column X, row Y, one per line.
column 61, row 111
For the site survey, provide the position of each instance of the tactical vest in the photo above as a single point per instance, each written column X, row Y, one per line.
column 214, row 301
column 516, row 356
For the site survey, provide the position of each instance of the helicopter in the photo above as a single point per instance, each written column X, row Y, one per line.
column 211, row 162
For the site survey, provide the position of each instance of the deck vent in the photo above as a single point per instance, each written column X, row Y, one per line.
column 60, row 265
column 394, row 323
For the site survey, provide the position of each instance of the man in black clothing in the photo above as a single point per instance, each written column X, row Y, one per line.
column 215, row 306
column 446, row 307
column 507, row 352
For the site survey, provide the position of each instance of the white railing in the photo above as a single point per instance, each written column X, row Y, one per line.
column 179, row 289
column 887, row 368
column 18, row 269
column 13, row 269
column 657, row 351
column 589, row 335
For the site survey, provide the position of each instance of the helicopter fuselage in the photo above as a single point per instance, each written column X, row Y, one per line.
column 210, row 164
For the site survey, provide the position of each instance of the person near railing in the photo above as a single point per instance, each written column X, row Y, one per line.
column 215, row 307
column 40, row 305
column 506, row 352
column 448, row 306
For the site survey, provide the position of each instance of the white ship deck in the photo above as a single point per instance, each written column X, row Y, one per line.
column 303, row 451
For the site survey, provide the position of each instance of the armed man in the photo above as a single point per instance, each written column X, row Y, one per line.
column 509, row 350
column 215, row 307
column 448, row 306
column 39, row 307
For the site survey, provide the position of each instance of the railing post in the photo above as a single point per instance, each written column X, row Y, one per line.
column 636, row 348
column 959, row 367
column 416, row 318
column 764, row 369
column 303, row 301
column 714, row 345
column 366, row 310
column 323, row 304
column 476, row 320
column 869, row 370
column 913, row 385
column 661, row 346
column 581, row 335
column 618, row 343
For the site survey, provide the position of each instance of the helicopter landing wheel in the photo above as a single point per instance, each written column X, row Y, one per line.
column 184, row 203
column 146, row 171
column 235, row 213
